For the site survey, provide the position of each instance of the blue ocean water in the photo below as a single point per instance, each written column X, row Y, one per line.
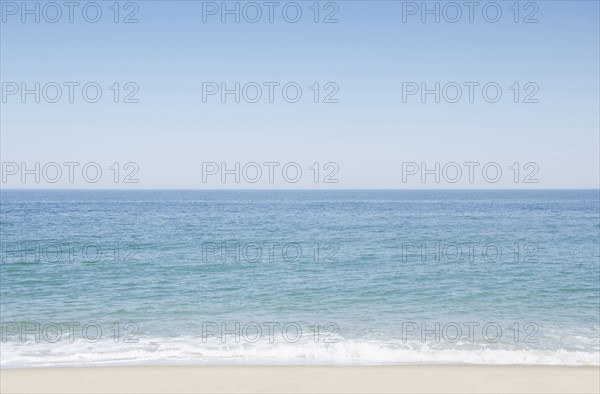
column 299, row 277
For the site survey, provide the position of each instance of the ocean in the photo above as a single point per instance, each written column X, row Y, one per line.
column 100, row 277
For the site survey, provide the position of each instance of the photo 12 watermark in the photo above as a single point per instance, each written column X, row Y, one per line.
column 70, row 92
column 269, row 252
column 54, row 332
column 269, row 172
column 69, row 12
column 470, row 92
column 470, row 11
column 68, row 172
column 471, row 332
column 71, row 252
column 471, row 252
column 469, row 172
column 270, row 92
column 289, row 12
column 271, row 332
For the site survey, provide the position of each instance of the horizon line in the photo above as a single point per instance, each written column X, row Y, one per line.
column 299, row 189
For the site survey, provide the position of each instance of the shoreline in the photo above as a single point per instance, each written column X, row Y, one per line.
column 303, row 379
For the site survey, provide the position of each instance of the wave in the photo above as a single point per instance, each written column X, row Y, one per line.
column 192, row 351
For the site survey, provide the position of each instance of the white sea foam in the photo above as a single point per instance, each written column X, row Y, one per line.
column 193, row 351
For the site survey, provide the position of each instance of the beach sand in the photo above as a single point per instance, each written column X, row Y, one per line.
column 303, row 379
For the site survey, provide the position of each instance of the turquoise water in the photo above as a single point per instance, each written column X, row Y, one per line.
column 386, row 276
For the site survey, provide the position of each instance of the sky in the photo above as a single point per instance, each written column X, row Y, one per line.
column 361, row 121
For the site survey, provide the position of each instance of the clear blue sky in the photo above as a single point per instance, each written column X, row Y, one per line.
column 368, row 54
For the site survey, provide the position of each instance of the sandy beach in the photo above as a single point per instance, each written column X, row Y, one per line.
column 304, row 379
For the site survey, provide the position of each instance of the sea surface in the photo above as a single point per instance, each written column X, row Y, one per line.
column 299, row 277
